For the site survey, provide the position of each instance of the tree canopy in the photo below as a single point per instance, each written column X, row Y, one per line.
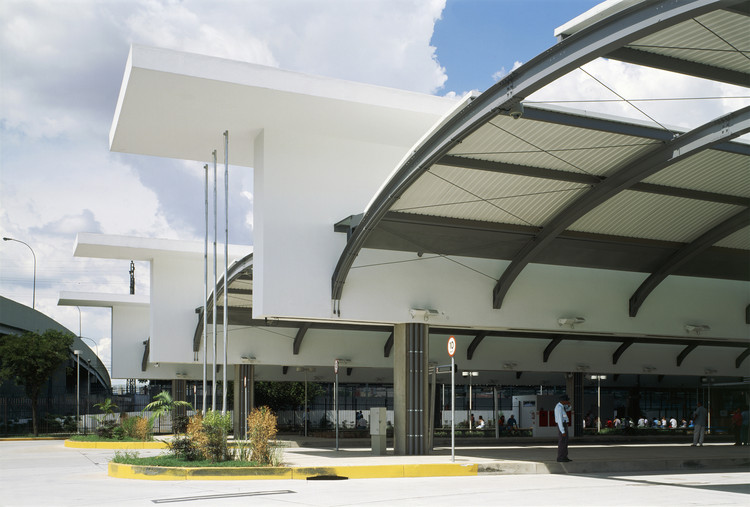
column 31, row 358
column 285, row 395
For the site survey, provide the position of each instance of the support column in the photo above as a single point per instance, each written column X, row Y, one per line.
column 244, row 397
column 179, row 393
column 574, row 389
column 411, row 389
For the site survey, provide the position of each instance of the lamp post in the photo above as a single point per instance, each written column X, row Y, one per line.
column 33, row 293
column 78, row 387
column 598, row 379
column 469, row 374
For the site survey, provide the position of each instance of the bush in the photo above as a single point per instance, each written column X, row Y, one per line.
column 185, row 448
column 261, row 424
column 209, row 435
column 179, row 423
column 137, row 427
column 106, row 429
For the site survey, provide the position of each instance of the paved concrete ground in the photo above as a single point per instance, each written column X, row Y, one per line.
column 45, row 473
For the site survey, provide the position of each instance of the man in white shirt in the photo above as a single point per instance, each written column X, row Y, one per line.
column 561, row 418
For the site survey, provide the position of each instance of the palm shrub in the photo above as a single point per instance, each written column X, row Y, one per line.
column 164, row 403
column 262, row 429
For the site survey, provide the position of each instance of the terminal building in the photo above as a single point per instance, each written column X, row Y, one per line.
column 552, row 243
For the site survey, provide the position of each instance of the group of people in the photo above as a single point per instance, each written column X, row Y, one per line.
column 511, row 425
column 664, row 423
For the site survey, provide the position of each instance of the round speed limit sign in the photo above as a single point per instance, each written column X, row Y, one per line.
column 451, row 346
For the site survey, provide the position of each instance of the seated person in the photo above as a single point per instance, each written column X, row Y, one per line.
column 481, row 424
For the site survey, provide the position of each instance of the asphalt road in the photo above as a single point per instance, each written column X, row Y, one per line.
column 47, row 474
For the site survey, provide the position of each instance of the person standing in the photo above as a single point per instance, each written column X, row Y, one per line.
column 700, row 418
column 561, row 418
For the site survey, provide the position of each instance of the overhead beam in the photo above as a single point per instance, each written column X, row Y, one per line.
column 687, row 350
column 691, row 143
column 388, row 345
column 685, row 254
column 741, row 357
column 597, row 40
column 587, row 179
column 621, row 349
column 672, row 64
column 300, row 336
column 551, row 346
column 474, row 344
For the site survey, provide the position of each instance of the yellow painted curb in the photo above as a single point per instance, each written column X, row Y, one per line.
column 116, row 445
column 155, row 473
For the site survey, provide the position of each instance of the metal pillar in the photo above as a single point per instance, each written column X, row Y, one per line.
column 205, row 299
column 213, row 327
column 226, row 268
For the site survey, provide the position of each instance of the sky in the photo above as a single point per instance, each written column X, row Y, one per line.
column 61, row 67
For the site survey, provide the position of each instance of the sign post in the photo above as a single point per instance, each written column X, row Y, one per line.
column 451, row 351
column 336, row 398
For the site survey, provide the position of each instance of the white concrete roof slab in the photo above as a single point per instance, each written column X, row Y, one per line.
column 101, row 300
column 107, row 246
column 178, row 105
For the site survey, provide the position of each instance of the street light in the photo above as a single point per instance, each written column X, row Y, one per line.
column 33, row 294
column 599, row 379
column 78, row 382
column 470, row 374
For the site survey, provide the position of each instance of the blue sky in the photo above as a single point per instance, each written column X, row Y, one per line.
column 477, row 38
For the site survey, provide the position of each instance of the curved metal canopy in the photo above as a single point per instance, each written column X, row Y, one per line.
column 570, row 188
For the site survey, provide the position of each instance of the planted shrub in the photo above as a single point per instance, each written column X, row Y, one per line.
column 262, row 429
column 107, row 429
column 138, row 427
column 185, row 448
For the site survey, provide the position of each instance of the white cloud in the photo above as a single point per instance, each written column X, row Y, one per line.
column 635, row 82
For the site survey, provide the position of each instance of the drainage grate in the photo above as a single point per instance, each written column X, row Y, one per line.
column 228, row 495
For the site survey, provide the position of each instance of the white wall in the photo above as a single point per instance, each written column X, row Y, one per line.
column 130, row 327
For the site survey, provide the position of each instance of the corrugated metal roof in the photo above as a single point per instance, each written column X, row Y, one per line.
column 712, row 39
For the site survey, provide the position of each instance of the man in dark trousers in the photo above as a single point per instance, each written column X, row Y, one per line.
column 561, row 418
column 700, row 419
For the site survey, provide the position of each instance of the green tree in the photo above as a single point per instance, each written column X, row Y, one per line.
column 163, row 403
column 285, row 395
column 31, row 358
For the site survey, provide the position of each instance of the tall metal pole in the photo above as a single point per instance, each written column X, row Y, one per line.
column 453, row 409
column 599, row 404
column 33, row 292
column 305, row 418
column 205, row 299
column 213, row 342
column 78, row 394
column 336, row 406
column 226, row 269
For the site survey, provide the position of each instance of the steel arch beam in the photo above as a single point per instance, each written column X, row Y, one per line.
column 687, row 350
column 299, row 337
column 550, row 347
column 621, row 350
column 685, row 254
column 474, row 344
column 597, row 40
column 704, row 137
column 741, row 357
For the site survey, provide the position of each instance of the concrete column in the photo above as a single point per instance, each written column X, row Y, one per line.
column 410, row 389
column 574, row 389
column 179, row 388
column 244, row 397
